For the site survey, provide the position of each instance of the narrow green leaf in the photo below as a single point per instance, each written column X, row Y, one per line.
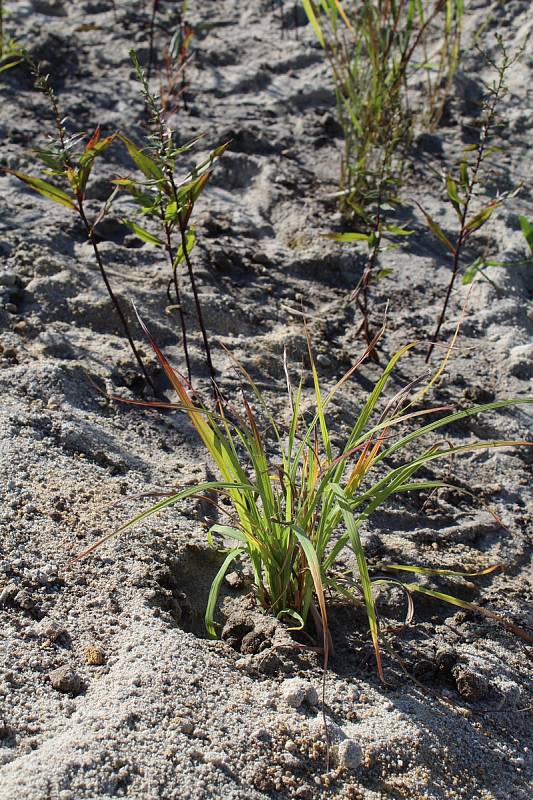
column 463, row 175
column 480, row 219
column 527, row 230
column 431, row 571
column 352, row 530
column 142, row 233
column 190, row 241
column 471, row 271
column 10, row 65
column 228, row 531
column 347, row 237
column 398, row 231
column 46, row 189
column 437, row 230
column 456, row 601
column 147, row 165
column 314, row 569
column 453, row 195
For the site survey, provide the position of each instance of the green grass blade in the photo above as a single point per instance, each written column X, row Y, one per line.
column 352, row 530
column 310, row 11
column 456, row 601
column 215, row 589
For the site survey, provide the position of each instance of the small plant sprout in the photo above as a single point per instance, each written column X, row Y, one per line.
column 380, row 230
column 70, row 161
column 178, row 49
column 378, row 53
column 462, row 188
column 172, row 79
column 169, row 201
column 11, row 53
column 294, row 514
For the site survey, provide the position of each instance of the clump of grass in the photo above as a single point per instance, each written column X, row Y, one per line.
column 294, row 514
column 169, row 200
column 69, row 160
column 378, row 51
column 462, row 185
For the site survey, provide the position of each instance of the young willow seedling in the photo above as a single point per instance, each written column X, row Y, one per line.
column 293, row 516
column 169, row 201
column 378, row 241
column 462, row 188
column 69, row 161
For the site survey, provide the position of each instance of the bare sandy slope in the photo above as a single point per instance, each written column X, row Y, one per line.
column 169, row 714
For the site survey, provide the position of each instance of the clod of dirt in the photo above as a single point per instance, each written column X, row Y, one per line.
column 296, row 691
column 470, row 685
column 65, row 680
column 235, row 580
column 445, row 661
column 266, row 644
column 248, row 632
column 8, row 594
column 94, row 656
column 24, row 601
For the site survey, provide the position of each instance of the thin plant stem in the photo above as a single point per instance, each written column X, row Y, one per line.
column 175, row 282
column 1, row 29
column 42, row 83
column 91, row 237
column 463, row 230
column 183, row 234
column 155, row 4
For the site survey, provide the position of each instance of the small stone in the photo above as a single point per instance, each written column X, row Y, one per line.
column 216, row 759
column 5, row 730
column 520, row 361
column 23, row 600
column 37, row 575
column 296, row 691
column 349, row 754
column 8, row 593
column 185, row 726
column 9, row 279
column 64, row 679
column 49, row 628
column 304, row 793
column 94, row 656
column 235, row 580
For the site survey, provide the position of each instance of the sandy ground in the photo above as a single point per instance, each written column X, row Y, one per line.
column 167, row 713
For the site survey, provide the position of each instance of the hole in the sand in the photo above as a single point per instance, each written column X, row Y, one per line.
column 186, row 585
